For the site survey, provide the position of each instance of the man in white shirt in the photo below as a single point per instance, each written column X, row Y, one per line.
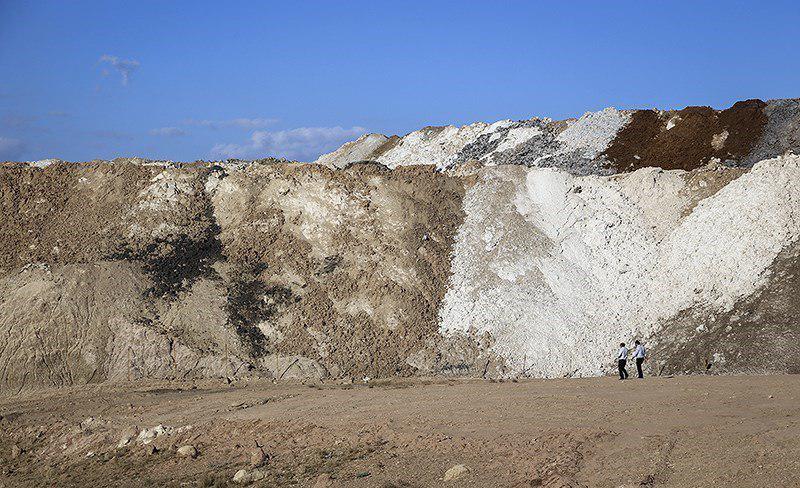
column 622, row 358
column 639, row 355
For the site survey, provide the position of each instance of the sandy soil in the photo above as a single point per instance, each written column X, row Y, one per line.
column 681, row 431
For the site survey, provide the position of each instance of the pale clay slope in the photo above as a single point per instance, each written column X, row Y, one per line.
column 560, row 268
column 359, row 150
column 587, row 137
column 437, row 146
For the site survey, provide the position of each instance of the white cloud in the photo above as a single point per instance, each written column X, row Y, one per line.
column 125, row 66
column 168, row 132
column 301, row 144
column 10, row 149
column 245, row 123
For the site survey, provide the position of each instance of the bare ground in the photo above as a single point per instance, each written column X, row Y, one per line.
column 668, row 431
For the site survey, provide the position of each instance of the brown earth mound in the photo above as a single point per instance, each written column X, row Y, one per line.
column 65, row 213
column 345, row 267
column 148, row 270
column 689, row 138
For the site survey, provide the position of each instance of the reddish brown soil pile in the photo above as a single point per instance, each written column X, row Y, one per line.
column 696, row 135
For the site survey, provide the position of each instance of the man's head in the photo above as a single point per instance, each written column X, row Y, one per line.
column 621, row 344
column 636, row 342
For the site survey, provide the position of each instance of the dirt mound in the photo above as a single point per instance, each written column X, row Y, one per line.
column 687, row 139
column 345, row 267
column 66, row 213
column 483, row 250
column 294, row 270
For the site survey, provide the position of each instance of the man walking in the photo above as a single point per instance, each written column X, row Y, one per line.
column 622, row 358
column 639, row 355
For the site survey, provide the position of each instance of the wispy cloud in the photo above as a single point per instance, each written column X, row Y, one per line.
column 168, row 132
column 244, row 123
column 10, row 149
column 24, row 123
column 301, row 144
column 125, row 67
column 15, row 121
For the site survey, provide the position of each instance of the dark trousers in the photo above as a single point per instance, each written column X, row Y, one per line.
column 639, row 362
column 622, row 373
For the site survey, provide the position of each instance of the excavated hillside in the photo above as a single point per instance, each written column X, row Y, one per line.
column 515, row 248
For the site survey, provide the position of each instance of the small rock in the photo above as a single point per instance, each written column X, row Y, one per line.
column 244, row 477
column 323, row 481
column 146, row 436
column 16, row 452
column 456, row 472
column 770, row 396
column 258, row 458
column 187, row 451
column 126, row 439
column 150, row 449
column 241, row 476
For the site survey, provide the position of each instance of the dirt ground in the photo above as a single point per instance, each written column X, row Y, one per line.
column 666, row 431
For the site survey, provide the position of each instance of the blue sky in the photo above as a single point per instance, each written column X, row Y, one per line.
column 204, row 80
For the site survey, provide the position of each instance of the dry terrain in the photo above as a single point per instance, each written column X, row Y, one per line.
column 665, row 431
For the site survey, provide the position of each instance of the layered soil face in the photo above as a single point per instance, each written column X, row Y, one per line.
column 343, row 267
column 558, row 269
column 127, row 269
column 516, row 248
column 689, row 138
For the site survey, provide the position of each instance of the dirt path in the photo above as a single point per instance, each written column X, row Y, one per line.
column 683, row 431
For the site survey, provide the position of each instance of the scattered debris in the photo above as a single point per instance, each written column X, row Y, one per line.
column 146, row 436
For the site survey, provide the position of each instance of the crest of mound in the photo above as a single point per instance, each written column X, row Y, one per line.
column 606, row 142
